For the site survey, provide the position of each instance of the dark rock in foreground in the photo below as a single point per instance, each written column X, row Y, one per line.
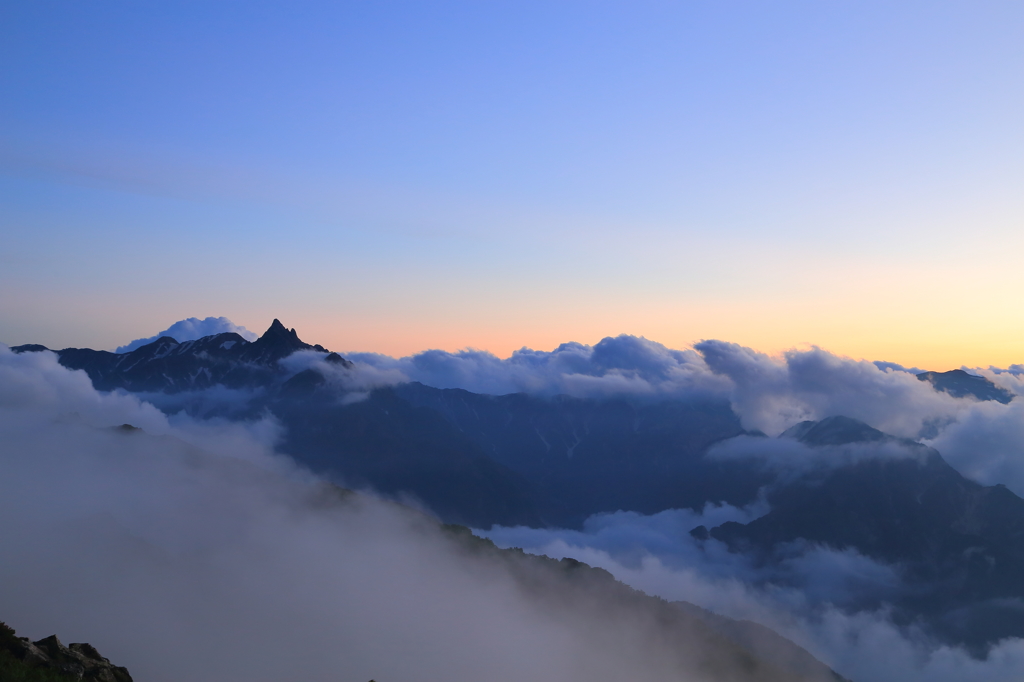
column 50, row 661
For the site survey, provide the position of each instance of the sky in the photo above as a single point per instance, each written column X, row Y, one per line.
column 390, row 177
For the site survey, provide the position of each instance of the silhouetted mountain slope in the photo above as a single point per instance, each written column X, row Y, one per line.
column 567, row 601
column 475, row 459
column 587, row 456
column 515, row 459
column 960, row 384
column 166, row 365
column 836, row 430
column 714, row 647
column 394, row 447
column 764, row 643
column 959, row 546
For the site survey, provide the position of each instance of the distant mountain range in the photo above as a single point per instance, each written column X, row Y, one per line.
column 526, row 460
column 472, row 458
column 960, row 384
column 959, row 545
column 166, row 365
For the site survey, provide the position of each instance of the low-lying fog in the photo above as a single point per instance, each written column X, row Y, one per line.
column 192, row 551
column 189, row 551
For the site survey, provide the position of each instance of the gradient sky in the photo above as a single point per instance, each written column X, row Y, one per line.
column 394, row 176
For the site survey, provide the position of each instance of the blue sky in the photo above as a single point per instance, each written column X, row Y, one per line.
column 397, row 176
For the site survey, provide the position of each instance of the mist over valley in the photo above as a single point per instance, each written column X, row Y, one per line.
column 204, row 484
column 511, row 341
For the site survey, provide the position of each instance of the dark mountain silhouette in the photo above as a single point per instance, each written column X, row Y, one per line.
column 960, row 384
column 764, row 643
column 587, row 456
column 474, row 459
column 480, row 460
column 50, row 661
column 958, row 545
column 514, row 459
column 837, row 430
column 722, row 648
column 166, row 365
column 394, row 447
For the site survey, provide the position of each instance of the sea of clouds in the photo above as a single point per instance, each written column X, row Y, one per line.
column 189, row 550
column 228, row 553
column 815, row 597
column 983, row 440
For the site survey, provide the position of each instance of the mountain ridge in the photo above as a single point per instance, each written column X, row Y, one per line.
column 519, row 459
column 166, row 365
column 958, row 544
column 960, row 384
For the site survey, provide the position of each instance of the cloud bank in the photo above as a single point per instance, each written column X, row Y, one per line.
column 191, row 329
column 790, row 458
column 770, row 394
column 239, row 557
column 190, row 551
column 621, row 365
column 983, row 440
column 986, row 443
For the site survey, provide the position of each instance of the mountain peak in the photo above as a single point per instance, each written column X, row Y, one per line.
column 279, row 335
column 278, row 329
column 277, row 342
column 961, row 384
column 835, row 430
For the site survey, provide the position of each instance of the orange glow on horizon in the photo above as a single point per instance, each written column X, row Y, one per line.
column 906, row 346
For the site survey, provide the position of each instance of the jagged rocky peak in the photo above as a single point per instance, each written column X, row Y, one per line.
column 279, row 330
column 279, row 335
column 276, row 343
column 168, row 365
column 73, row 662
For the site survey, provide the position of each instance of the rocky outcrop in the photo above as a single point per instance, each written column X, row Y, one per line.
column 23, row 659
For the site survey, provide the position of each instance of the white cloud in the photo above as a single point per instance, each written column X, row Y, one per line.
column 622, row 365
column 986, row 443
column 769, row 394
column 191, row 329
column 185, row 564
column 790, row 458
column 809, row 597
column 773, row 394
